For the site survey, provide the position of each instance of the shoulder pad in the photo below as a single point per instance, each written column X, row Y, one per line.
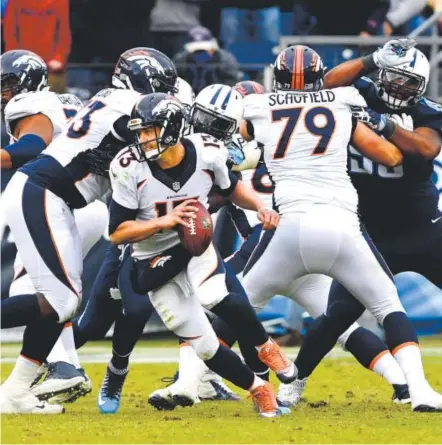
column 432, row 106
column 124, row 167
column 71, row 100
column 28, row 104
column 253, row 105
column 349, row 96
column 118, row 99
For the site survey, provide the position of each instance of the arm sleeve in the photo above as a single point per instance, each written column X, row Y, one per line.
column 118, row 214
column 11, row 30
column 240, row 220
column 26, row 148
column 64, row 39
column 227, row 191
column 220, row 170
column 404, row 10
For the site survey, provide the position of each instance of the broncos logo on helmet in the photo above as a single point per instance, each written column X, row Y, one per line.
column 145, row 70
column 22, row 71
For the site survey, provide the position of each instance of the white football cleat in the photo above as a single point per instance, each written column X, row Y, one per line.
column 290, row 394
column 426, row 400
column 172, row 396
column 22, row 401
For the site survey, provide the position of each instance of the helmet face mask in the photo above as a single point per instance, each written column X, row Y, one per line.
column 404, row 85
column 208, row 121
column 217, row 111
column 400, row 88
column 165, row 116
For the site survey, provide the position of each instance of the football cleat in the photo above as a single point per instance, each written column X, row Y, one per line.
column 85, row 388
column 290, row 394
column 401, row 395
column 110, row 392
column 21, row 401
column 426, row 400
column 60, row 382
column 264, row 400
column 212, row 387
column 176, row 394
column 273, row 357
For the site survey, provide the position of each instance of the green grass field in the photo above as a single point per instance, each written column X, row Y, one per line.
column 344, row 404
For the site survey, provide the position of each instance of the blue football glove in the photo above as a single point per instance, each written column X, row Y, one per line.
column 235, row 148
column 374, row 120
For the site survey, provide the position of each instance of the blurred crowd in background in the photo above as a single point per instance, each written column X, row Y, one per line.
column 210, row 41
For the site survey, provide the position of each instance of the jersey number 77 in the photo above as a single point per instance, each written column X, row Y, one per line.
column 292, row 115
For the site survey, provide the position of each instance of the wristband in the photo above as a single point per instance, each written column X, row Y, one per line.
column 369, row 64
column 390, row 128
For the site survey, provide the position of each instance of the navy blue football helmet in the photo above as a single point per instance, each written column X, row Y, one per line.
column 145, row 70
column 163, row 112
column 22, row 71
column 247, row 87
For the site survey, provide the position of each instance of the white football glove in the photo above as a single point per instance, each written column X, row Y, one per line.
column 394, row 52
column 252, row 154
column 404, row 121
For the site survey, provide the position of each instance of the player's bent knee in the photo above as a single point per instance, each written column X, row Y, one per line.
column 66, row 307
column 385, row 307
column 205, row 346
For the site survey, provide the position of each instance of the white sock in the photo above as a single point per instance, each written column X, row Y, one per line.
column 23, row 373
column 67, row 337
column 256, row 383
column 58, row 352
column 409, row 358
column 387, row 367
column 191, row 367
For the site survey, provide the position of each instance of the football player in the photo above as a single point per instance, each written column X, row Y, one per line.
column 70, row 173
column 398, row 206
column 305, row 130
column 311, row 291
column 104, row 304
column 155, row 182
column 34, row 116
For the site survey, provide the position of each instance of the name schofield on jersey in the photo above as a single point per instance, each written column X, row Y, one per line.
column 291, row 98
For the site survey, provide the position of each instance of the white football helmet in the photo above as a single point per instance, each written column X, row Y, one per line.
column 184, row 92
column 403, row 85
column 217, row 110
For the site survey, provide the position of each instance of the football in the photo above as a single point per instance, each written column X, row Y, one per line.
column 198, row 236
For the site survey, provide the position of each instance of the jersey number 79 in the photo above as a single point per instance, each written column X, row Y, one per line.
column 292, row 115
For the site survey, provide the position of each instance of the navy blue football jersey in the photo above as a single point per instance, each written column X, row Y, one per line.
column 396, row 199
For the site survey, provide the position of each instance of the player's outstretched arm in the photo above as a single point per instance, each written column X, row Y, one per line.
column 423, row 141
column 33, row 134
column 131, row 231
column 394, row 52
column 246, row 198
column 374, row 147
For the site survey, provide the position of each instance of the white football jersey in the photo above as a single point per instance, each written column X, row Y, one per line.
column 59, row 108
column 305, row 137
column 146, row 187
column 91, row 128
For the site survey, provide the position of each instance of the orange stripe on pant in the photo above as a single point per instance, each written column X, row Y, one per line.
column 403, row 345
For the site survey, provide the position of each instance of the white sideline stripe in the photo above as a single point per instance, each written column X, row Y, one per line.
column 170, row 354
